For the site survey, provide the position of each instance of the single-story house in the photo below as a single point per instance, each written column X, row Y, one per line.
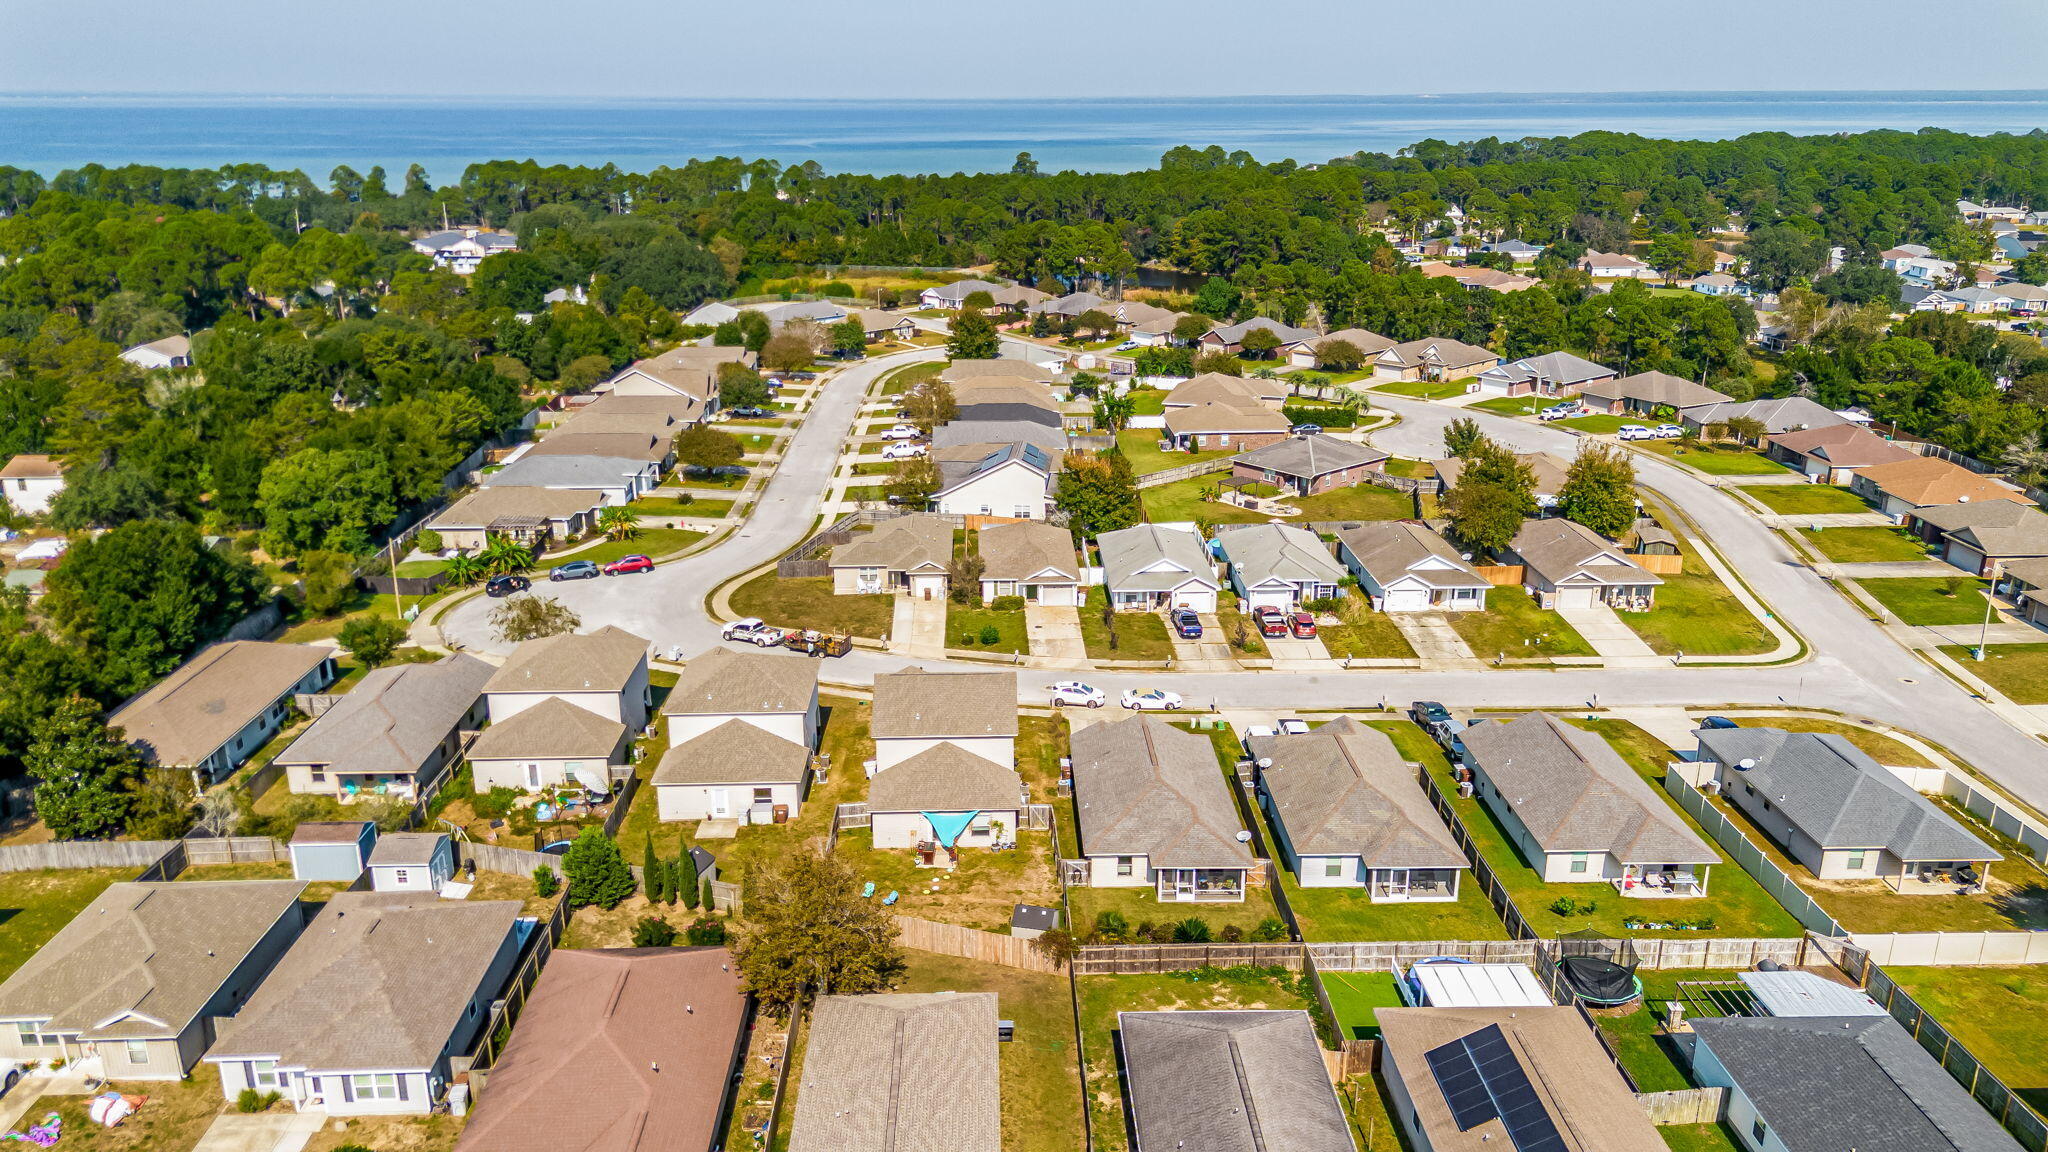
column 548, row 745
column 412, row 862
column 911, row 554
column 1548, row 469
column 1903, row 486
column 1579, row 813
column 1008, row 368
column 1838, row 812
column 460, row 250
column 689, row 372
column 1031, row 559
column 974, row 391
column 1228, row 1080
column 1308, row 353
column 364, row 1014
column 1785, row 414
column 735, row 770
column 29, row 482
column 906, row 1072
column 2026, row 581
column 661, row 412
column 1825, row 1083
column 1834, row 454
column 773, row 691
column 1222, row 388
column 1347, row 812
column 1568, row 565
column 1210, row 426
column 1405, row 567
column 1491, row 279
column 1433, row 358
column 1048, row 436
column 1155, row 813
column 139, row 976
column 647, row 1041
column 1154, row 566
column 532, row 516
column 1982, row 537
column 1553, row 374
column 1647, row 393
column 650, row 448
column 915, row 711
column 1308, row 465
column 880, row 325
column 1229, row 338
column 943, row 799
column 397, row 732
column 614, row 479
column 1611, row 265
column 603, row 672
column 169, row 352
column 1279, row 566
column 954, row 296
column 216, row 709
column 331, row 849
column 1521, row 251
column 984, row 405
column 1492, row 1079
column 1716, row 284
column 1013, row 480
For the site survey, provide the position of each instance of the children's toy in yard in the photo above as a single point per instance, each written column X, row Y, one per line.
column 42, row 1135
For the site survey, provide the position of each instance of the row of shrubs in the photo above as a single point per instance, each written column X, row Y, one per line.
column 1320, row 416
column 1113, row 928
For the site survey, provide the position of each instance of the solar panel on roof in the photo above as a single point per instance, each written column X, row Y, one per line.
column 1481, row 1079
column 1036, row 457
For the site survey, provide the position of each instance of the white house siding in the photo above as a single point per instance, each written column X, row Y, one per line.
column 1314, row 872
column 1011, row 490
column 31, row 495
column 1741, row 1116
column 1557, row 866
column 1825, row 864
column 299, row 778
column 796, row 727
column 1060, row 595
column 713, row 801
column 629, row 707
column 996, row 749
column 908, row 829
column 1102, row 872
column 552, row 772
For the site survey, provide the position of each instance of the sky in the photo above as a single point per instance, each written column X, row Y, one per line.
column 681, row 49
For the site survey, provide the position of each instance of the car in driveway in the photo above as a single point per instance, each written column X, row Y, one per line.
column 747, row 413
column 625, row 565
column 1558, row 412
column 1187, row 624
column 903, row 432
column 903, row 451
column 1077, row 694
column 1306, row 430
column 1634, row 432
column 1303, row 625
column 506, row 584
column 1157, row 700
column 1429, row 713
column 576, row 570
column 10, row 1074
column 1271, row 621
column 1668, row 431
column 752, row 631
column 1293, row 726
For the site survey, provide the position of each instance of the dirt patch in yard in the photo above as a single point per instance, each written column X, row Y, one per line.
column 389, row 1134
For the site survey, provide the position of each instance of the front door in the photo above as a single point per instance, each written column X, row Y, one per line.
column 533, row 777
column 720, row 806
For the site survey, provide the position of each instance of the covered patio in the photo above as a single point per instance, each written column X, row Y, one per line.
column 1199, row 885
column 1396, row 885
column 1661, row 881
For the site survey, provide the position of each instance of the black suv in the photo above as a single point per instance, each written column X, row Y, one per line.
column 506, row 585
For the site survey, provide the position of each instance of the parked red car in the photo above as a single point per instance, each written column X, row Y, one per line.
column 1304, row 626
column 627, row 564
column 1271, row 621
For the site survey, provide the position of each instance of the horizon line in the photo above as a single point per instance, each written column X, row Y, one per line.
column 1208, row 97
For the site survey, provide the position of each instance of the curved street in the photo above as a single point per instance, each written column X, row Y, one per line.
column 1853, row 667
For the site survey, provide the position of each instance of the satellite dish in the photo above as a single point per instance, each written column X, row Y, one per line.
column 1243, row 837
column 1265, row 762
column 1745, row 764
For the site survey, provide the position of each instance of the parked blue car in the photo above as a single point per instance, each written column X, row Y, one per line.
column 577, row 570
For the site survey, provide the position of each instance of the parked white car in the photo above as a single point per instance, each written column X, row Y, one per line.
column 1077, row 694
column 10, row 1075
column 1293, row 726
column 902, row 432
column 1668, row 431
column 1634, row 432
column 903, row 451
column 753, row 631
column 1157, row 700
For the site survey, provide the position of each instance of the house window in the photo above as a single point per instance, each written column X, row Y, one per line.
column 1123, row 865
column 263, row 1074
column 1855, row 861
column 764, row 795
column 1333, row 867
column 26, row 1031
column 400, row 875
column 319, row 775
column 1579, row 862
column 138, row 1051
column 374, row 1085
column 1758, row 1130
column 1749, row 789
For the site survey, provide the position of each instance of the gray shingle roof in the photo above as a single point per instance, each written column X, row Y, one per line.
column 1127, row 552
column 1391, row 549
column 1575, row 793
column 602, row 661
column 1264, row 552
column 1024, row 550
column 1838, row 796
column 1234, row 333
column 566, row 472
column 394, row 720
column 1033, row 432
column 918, row 704
column 905, row 544
column 1310, row 456
column 729, row 682
column 1549, row 469
column 735, row 752
column 406, row 849
column 1781, row 415
column 485, row 506
column 945, row 778
column 1145, row 788
column 901, row 1073
column 1343, row 790
column 185, row 717
column 1556, row 367
column 1244, row 1081
column 1994, row 527
column 549, row 730
column 1826, row 1083
column 1656, row 388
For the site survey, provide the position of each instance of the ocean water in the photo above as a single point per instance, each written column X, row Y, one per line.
column 50, row 133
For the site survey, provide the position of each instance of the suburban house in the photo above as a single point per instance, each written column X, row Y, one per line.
column 365, row 1012
column 1279, row 566
column 1716, row 284
column 1839, row 812
column 823, row 313
column 169, row 352
column 943, row 799
column 611, row 479
column 1221, row 388
column 661, row 412
column 1491, row 279
column 138, row 977
column 1983, row 537
column 1786, row 414
column 1567, row 565
column 954, row 296
column 1521, row 251
column 1824, row 1083
column 736, row 770
column 1227, row 1080
column 29, row 482
column 411, row 862
column 1834, row 454
column 906, row 1072
column 1347, row 812
column 1229, row 338
column 1434, row 358
column 535, row 517
column 460, row 250
column 1647, row 394
column 985, row 436
column 1553, row 374
column 396, row 733
column 1308, row 465
column 2026, row 581
column 1155, row 813
column 549, row 745
column 648, row 1043
column 216, row 709
column 1031, row 559
column 656, row 449
column 1152, row 566
column 1493, row 1079
column 1308, row 353
column 602, row 672
column 880, row 325
column 1613, row 265
column 915, row 711
column 773, row 691
column 1579, row 813
column 689, row 372
column 1406, row 567
column 1007, row 368
column 1013, row 480
column 1901, row 488
column 911, row 554
column 1548, row 469
column 1213, row 426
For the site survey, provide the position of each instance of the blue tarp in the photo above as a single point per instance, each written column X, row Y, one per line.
column 948, row 826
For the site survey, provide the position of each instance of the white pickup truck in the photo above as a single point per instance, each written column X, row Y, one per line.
column 753, row 631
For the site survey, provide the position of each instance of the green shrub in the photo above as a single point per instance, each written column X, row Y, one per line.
column 1193, row 930
column 990, row 634
column 1007, row 604
column 1322, row 604
column 1321, row 417
column 1270, row 929
column 653, row 932
column 250, row 1100
column 706, row 931
column 967, row 639
column 1232, row 934
column 427, row 540
column 1112, row 928
column 1564, row 905
column 545, row 882
column 495, row 804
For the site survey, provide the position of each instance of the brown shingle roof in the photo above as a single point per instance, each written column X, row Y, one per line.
column 1549, row 469
column 551, row 729
column 917, row 704
column 945, row 778
column 726, row 681
column 1212, row 417
column 1927, row 480
column 905, row 544
column 600, row 661
column 1145, row 788
column 483, row 507
column 735, row 752
column 611, row 445
column 1655, row 388
column 1843, row 446
column 32, row 467
column 1023, row 550
column 901, row 1073
column 188, row 715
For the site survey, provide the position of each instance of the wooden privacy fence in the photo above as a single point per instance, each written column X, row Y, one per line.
column 1661, row 565
column 1496, row 892
column 1501, row 574
column 1423, row 486
column 85, row 854
column 1684, row 1106
column 1185, row 472
column 234, row 850
column 971, row 943
column 1389, row 955
column 1154, row 959
column 498, row 1030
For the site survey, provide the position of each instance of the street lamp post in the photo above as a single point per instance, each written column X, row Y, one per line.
column 1984, row 630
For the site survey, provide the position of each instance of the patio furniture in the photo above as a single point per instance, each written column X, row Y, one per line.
column 890, row 899
column 867, row 891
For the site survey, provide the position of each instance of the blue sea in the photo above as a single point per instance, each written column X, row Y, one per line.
column 51, row 133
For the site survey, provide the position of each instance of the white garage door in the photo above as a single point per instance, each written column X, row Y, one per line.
column 1968, row 559
column 1577, row 597
column 1406, row 600
column 1269, row 599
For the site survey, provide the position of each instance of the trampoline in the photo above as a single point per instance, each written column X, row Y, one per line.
column 1599, row 982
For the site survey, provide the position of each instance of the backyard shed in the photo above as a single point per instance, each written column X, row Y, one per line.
column 332, row 849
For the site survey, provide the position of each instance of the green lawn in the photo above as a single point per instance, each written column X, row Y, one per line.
column 1141, row 447
column 964, row 624
column 419, row 567
column 1147, row 402
column 1356, row 998
column 35, row 905
column 1598, row 424
column 1368, row 635
column 1358, row 502
column 1882, row 748
column 1140, row 906
column 2019, row 671
column 655, row 542
column 1186, row 500
column 1413, row 469
column 808, row 602
column 1512, row 405
column 671, row 506
column 1995, row 1013
column 1423, row 389
column 1349, row 914
column 1866, row 544
column 1139, row 635
column 1804, row 499
column 1930, row 599
column 1512, row 623
column 1652, row 1060
column 902, row 379
column 1696, row 614
column 1041, row 1081
column 1715, row 461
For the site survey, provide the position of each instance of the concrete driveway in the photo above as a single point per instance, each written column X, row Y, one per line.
column 262, row 1132
column 1603, row 629
column 1054, row 632
column 919, row 628
column 1434, row 640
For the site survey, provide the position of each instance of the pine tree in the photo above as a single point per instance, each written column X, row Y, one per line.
column 686, row 876
column 597, row 872
column 710, row 904
column 650, row 873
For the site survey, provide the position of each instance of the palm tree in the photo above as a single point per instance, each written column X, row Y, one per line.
column 618, row 522
column 463, row 569
column 503, row 554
